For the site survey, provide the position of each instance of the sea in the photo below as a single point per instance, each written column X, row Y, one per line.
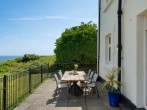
column 6, row 58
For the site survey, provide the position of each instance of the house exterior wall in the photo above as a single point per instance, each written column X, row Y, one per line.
column 108, row 26
column 132, row 45
column 133, row 50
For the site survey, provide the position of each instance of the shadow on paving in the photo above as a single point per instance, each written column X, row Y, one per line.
column 62, row 100
column 91, row 102
column 42, row 99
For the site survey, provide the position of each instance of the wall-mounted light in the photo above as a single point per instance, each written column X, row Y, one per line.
column 117, row 48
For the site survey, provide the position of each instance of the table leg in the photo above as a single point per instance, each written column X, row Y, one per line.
column 76, row 90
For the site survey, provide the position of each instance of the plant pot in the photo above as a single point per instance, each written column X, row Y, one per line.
column 114, row 99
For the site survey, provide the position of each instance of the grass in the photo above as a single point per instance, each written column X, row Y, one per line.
column 18, row 79
column 13, row 66
column 18, row 87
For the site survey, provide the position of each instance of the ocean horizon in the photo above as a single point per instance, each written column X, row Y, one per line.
column 6, row 58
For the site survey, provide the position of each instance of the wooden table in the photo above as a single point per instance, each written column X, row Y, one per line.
column 73, row 79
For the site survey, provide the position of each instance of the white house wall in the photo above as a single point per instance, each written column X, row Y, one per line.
column 129, row 76
column 132, row 44
column 108, row 26
column 133, row 50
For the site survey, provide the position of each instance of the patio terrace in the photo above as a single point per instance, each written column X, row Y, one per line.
column 42, row 99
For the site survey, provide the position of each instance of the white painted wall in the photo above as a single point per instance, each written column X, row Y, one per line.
column 108, row 25
column 133, row 50
column 132, row 45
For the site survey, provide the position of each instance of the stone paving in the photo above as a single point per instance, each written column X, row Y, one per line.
column 42, row 99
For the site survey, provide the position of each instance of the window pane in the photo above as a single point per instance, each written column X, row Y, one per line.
column 109, row 53
column 109, row 40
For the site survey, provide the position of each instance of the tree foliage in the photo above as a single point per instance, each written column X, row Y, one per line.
column 27, row 57
column 77, row 44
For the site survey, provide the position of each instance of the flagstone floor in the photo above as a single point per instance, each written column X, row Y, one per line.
column 42, row 99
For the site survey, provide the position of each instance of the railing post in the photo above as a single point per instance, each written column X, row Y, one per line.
column 48, row 67
column 5, row 92
column 41, row 74
column 17, row 89
column 30, row 80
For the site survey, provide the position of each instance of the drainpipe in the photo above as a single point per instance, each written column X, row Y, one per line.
column 98, row 55
column 119, row 46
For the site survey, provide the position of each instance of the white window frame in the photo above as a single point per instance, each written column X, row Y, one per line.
column 108, row 49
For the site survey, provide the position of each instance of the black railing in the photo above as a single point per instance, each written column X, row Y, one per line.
column 15, row 87
column 1, row 93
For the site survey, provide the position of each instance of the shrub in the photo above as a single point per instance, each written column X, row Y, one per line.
column 77, row 44
column 27, row 57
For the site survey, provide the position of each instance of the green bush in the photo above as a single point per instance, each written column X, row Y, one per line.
column 27, row 57
column 77, row 44
column 17, row 65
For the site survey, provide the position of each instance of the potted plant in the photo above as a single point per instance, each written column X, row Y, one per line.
column 110, row 84
column 75, row 68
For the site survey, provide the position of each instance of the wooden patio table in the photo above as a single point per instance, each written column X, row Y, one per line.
column 72, row 78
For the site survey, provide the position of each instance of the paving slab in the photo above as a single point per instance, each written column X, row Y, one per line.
column 42, row 99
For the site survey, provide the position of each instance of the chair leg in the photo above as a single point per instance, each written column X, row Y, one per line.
column 93, row 89
column 69, row 87
column 97, row 92
column 85, row 92
column 68, row 90
column 85, row 88
column 55, row 93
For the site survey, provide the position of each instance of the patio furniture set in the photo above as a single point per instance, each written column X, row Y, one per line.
column 77, row 84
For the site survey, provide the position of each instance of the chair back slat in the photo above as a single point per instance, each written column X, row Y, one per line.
column 89, row 72
column 60, row 73
column 91, row 75
column 94, row 79
column 56, row 78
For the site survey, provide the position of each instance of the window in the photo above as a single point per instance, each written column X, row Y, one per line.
column 108, row 49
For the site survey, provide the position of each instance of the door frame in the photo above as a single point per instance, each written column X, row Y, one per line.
column 145, row 68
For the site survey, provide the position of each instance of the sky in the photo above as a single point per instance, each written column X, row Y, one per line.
column 32, row 26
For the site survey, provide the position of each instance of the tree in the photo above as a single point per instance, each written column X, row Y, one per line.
column 77, row 44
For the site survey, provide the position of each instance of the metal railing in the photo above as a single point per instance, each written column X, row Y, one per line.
column 1, row 93
column 16, row 86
